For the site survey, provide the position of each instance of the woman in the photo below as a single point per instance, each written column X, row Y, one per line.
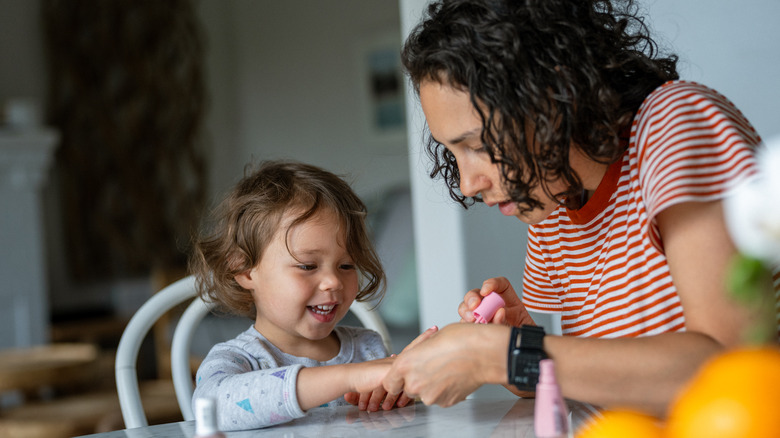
column 564, row 115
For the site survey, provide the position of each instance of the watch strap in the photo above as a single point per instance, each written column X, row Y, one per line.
column 532, row 338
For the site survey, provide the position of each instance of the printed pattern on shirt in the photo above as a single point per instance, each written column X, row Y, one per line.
column 255, row 384
column 603, row 267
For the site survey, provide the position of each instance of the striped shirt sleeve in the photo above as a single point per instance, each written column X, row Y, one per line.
column 602, row 267
column 693, row 145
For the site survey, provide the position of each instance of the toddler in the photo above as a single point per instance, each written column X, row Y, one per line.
column 289, row 248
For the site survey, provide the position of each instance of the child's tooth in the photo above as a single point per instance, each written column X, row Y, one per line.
column 324, row 309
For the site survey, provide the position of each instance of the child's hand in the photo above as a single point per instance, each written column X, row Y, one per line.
column 372, row 401
column 365, row 379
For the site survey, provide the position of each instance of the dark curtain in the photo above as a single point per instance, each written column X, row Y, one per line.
column 126, row 92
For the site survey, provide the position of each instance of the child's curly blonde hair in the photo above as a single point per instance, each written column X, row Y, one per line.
column 246, row 221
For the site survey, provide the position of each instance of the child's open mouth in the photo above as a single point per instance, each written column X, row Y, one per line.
column 322, row 310
column 323, row 313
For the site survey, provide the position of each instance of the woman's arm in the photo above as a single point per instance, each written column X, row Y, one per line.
column 646, row 373
column 699, row 253
column 643, row 373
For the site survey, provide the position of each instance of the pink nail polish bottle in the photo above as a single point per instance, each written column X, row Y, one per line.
column 550, row 413
column 488, row 307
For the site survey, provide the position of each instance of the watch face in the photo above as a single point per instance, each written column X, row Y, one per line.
column 525, row 367
column 526, row 348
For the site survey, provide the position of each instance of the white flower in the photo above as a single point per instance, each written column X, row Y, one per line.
column 752, row 209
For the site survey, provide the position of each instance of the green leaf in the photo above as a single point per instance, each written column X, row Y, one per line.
column 749, row 283
column 746, row 281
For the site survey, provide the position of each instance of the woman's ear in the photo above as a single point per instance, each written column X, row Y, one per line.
column 244, row 279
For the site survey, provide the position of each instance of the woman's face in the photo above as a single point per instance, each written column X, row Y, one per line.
column 455, row 123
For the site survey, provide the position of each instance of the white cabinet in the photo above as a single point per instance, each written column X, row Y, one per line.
column 25, row 159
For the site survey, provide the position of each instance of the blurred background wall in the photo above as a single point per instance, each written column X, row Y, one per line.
column 303, row 80
column 291, row 79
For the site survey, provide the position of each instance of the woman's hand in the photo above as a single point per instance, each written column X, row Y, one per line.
column 513, row 313
column 451, row 364
column 371, row 400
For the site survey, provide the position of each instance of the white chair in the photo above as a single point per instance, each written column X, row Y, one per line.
column 143, row 320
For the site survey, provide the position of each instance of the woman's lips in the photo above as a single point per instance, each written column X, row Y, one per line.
column 507, row 208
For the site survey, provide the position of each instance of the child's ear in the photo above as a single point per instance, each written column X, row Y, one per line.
column 244, row 279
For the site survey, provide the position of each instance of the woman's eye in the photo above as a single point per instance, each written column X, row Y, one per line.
column 305, row 267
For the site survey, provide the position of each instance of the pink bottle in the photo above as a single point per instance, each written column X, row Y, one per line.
column 488, row 307
column 551, row 418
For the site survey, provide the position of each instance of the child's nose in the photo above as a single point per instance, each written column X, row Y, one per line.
column 331, row 281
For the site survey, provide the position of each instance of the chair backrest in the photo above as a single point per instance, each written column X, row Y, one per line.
column 143, row 320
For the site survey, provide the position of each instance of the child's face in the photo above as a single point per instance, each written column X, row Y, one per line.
column 299, row 301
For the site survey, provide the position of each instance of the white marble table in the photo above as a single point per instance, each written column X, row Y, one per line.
column 499, row 417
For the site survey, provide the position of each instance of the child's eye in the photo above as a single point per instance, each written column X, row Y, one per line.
column 305, row 267
column 348, row 266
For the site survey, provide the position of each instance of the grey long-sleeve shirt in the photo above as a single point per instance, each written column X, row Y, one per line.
column 254, row 383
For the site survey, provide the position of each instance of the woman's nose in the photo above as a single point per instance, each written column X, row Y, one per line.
column 472, row 183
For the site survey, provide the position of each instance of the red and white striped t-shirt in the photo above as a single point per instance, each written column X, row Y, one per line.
column 603, row 266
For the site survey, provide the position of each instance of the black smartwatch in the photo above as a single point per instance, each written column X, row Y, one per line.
column 526, row 350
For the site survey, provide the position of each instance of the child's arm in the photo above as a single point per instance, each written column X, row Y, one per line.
column 248, row 396
column 318, row 385
column 253, row 389
column 250, row 399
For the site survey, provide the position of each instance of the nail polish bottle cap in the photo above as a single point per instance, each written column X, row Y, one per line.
column 488, row 307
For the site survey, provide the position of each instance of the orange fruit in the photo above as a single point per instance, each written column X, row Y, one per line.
column 736, row 394
column 621, row 424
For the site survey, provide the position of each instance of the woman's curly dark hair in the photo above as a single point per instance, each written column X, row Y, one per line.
column 576, row 71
